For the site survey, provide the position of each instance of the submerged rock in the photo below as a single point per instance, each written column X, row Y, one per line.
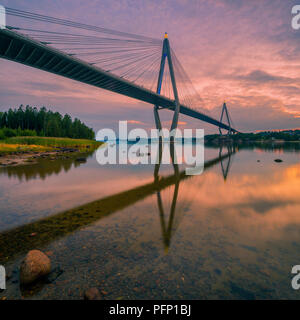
column 35, row 265
column 92, row 294
column 54, row 274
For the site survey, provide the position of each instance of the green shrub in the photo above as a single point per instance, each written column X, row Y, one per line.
column 2, row 135
column 8, row 133
column 27, row 133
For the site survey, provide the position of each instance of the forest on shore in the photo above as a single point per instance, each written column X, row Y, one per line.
column 263, row 136
column 31, row 121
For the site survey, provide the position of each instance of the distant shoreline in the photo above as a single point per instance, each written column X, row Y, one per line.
column 277, row 137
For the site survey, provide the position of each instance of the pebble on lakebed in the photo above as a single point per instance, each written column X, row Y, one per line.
column 92, row 294
column 35, row 265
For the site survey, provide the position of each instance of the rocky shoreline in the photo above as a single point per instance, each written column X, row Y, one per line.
column 25, row 158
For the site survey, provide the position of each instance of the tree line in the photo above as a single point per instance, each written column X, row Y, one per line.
column 42, row 122
column 286, row 135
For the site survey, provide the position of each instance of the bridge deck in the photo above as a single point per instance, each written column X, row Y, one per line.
column 20, row 48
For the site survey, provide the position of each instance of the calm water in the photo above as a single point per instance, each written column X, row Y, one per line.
column 234, row 233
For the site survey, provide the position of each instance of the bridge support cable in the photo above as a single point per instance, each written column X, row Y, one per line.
column 189, row 95
column 82, row 26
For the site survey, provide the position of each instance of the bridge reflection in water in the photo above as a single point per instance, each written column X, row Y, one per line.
column 19, row 240
column 168, row 228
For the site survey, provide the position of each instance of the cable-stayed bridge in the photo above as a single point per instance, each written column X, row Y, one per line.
column 135, row 66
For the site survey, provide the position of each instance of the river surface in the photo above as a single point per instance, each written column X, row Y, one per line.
column 232, row 232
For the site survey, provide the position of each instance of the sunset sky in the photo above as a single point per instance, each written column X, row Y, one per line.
column 243, row 52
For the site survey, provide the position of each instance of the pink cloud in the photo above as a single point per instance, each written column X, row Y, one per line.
column 135, row 122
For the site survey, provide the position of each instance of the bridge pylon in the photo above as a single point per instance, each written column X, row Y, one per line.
column 166, row 54
column 225, row 114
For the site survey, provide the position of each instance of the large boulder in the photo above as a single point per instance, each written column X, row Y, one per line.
column 35, row 265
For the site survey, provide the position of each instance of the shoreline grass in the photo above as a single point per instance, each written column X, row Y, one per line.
column 9, row 148
column 30, row 144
